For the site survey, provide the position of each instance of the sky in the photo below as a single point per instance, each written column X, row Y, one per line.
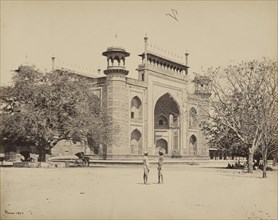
column 214, row 33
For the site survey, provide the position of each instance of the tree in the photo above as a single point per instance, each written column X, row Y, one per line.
column 269, row 127
column 44, row 108
column 244, row 100
column 223, row 138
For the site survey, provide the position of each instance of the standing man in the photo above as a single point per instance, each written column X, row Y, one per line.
column 146, row 167
column 159, row 168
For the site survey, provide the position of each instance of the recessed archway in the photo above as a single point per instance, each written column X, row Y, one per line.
column 164, row 107
column 136, row 142
column 162, row 144
column 136, row 108
column 193, row 144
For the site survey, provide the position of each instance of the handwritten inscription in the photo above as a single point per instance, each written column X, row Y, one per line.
column 173, row 14
column 13, row 213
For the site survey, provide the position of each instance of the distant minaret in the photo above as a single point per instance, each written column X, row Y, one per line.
column 186, row 58
column 186, row 61
column 202, row 85
column 146, row 49
column 53, row 63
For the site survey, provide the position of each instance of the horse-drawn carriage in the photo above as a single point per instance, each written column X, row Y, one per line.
column 82, row 160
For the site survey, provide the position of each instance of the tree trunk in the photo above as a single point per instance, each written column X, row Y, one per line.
column 264, row 165
column 104, row 151
column 42, row 154
column 250, row 160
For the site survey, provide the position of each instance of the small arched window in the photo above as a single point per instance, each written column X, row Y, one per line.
column 116, row 61
column 193, row 144
column 136, row 108
column 162, row 122
column 136, row 142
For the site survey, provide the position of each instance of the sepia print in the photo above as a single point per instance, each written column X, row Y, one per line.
column 138, row 110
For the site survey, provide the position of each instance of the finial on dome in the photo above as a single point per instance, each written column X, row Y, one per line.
column 53, row 62
column 146, row 48
column 186, row 58
column 146, row 37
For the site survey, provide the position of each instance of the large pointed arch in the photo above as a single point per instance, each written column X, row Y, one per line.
column 165, row 106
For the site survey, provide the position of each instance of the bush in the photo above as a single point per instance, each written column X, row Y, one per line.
column 267, row 168
column 237, row 165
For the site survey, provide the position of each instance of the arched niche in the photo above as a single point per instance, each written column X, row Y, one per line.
column 136, row 142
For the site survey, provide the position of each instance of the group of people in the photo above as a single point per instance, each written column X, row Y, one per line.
column 146, row 165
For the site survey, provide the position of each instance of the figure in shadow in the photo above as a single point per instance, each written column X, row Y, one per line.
column 159, row 168
column 146, row 166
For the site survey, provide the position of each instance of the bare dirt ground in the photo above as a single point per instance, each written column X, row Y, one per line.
column 189, row 192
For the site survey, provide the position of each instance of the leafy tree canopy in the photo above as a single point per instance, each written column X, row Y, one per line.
column 43, row 108
column 244, row 104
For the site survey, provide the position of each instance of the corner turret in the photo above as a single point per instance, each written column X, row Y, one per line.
column 116, row 60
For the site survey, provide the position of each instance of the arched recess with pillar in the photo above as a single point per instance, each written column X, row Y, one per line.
column 136, row 108
column 166, row 106
column 193, row 144
column 162, row 144
column 136, row 142
column 166, row 122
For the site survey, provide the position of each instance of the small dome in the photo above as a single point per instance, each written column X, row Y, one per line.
column 115, row 50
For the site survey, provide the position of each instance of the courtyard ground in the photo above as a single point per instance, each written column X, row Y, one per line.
column 204, row 191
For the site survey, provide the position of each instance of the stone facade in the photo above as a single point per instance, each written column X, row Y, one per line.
column 155, row 111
